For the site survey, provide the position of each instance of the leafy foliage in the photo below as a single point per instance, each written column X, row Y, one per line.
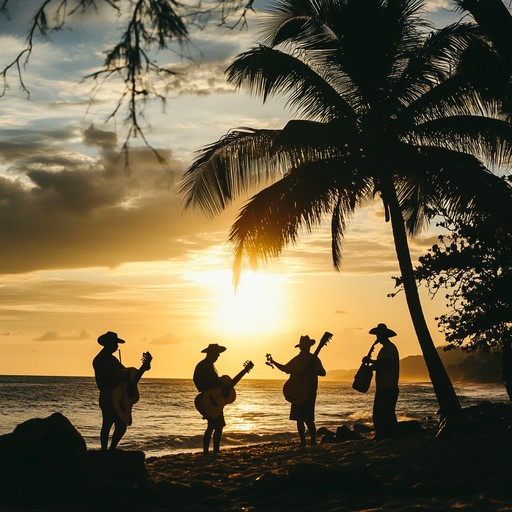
column 473, row 265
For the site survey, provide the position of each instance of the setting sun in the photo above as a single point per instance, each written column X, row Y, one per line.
column 256, row 307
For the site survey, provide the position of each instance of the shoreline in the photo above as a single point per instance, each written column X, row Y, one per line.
column 466, row 469
column 464, row 466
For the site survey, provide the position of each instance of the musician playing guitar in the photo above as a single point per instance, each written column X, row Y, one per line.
column 304, row 369
column 110, row 375
column 206, row 378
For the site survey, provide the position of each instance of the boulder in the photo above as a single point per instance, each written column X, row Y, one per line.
column 40, row 442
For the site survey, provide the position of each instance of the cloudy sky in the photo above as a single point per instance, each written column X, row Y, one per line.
column 89, row 246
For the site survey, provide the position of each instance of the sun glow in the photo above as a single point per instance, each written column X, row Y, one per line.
column 255, row 307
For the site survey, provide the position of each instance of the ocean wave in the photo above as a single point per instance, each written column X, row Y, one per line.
column 161, row 445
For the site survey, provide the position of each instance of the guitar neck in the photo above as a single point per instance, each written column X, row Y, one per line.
column 372, row 348
column 325, row 338
column 238, row 377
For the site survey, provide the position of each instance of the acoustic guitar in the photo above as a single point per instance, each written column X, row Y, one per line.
column 211, row 403
column 296, row 388
column 127, row 394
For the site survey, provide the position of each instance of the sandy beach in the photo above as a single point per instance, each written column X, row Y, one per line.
column 464, row 470
column 463, row 467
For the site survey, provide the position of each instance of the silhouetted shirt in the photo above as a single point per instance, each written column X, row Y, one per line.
column 108, row 371
column 388, row 367
column 206, row 376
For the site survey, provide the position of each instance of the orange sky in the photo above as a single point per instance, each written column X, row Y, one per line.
column 89, row 246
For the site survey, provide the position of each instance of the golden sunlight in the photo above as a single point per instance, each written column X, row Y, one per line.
column 255, row 307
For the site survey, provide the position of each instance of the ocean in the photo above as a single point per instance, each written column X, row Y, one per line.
column 165, row 420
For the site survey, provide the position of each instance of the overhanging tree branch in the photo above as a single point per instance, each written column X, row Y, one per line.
column 151, row 26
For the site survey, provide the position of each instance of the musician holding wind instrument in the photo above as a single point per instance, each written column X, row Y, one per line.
column 301, row 388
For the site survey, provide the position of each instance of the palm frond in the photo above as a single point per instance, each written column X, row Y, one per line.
column 334, row 139
column 232, row 165
column 290, row 21
column 484, row 137
column 435, row 179
column 266, row 72
column 371, row 37
column 425, row 63
column 455, row 96
column 300, row 200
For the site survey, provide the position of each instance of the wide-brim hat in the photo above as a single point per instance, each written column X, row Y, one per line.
column 305, row 341
column 213, row 347
column 382, row 329
column 108, row 338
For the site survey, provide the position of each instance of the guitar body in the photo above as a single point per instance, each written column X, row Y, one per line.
column 296, row 390
column 211, row 403
column 125, row 396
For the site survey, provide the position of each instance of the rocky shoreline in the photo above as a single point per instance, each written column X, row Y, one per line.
column 465, row 466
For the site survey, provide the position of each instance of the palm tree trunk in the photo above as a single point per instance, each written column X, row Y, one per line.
column 448, row 402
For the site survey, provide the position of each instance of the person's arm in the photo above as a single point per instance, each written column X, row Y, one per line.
column 282, row 367
column 319, row 368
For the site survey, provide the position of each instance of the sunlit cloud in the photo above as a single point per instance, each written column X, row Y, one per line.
column 92, row 245
column 166, row 339
column 56, row 336
column 434, row 5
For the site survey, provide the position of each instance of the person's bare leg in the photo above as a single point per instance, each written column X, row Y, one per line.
column 217, row 434
column 206, row 438
column 312, row 432
column 106, row 425
column 119, row 431
column 301, row 429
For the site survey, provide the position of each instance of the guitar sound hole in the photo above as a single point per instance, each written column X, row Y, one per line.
column 213, row 401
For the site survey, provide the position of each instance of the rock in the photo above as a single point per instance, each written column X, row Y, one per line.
column 324, row 431
column 361, row 428
column 480, row 419
column 326, row 435
column 40, row 442
column 45, row 463
column 405, row 428
column 343, row 433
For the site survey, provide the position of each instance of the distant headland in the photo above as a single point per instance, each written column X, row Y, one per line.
column 461, row 366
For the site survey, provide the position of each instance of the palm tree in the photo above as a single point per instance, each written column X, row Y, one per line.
column 381, row 113
column 495, row 19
